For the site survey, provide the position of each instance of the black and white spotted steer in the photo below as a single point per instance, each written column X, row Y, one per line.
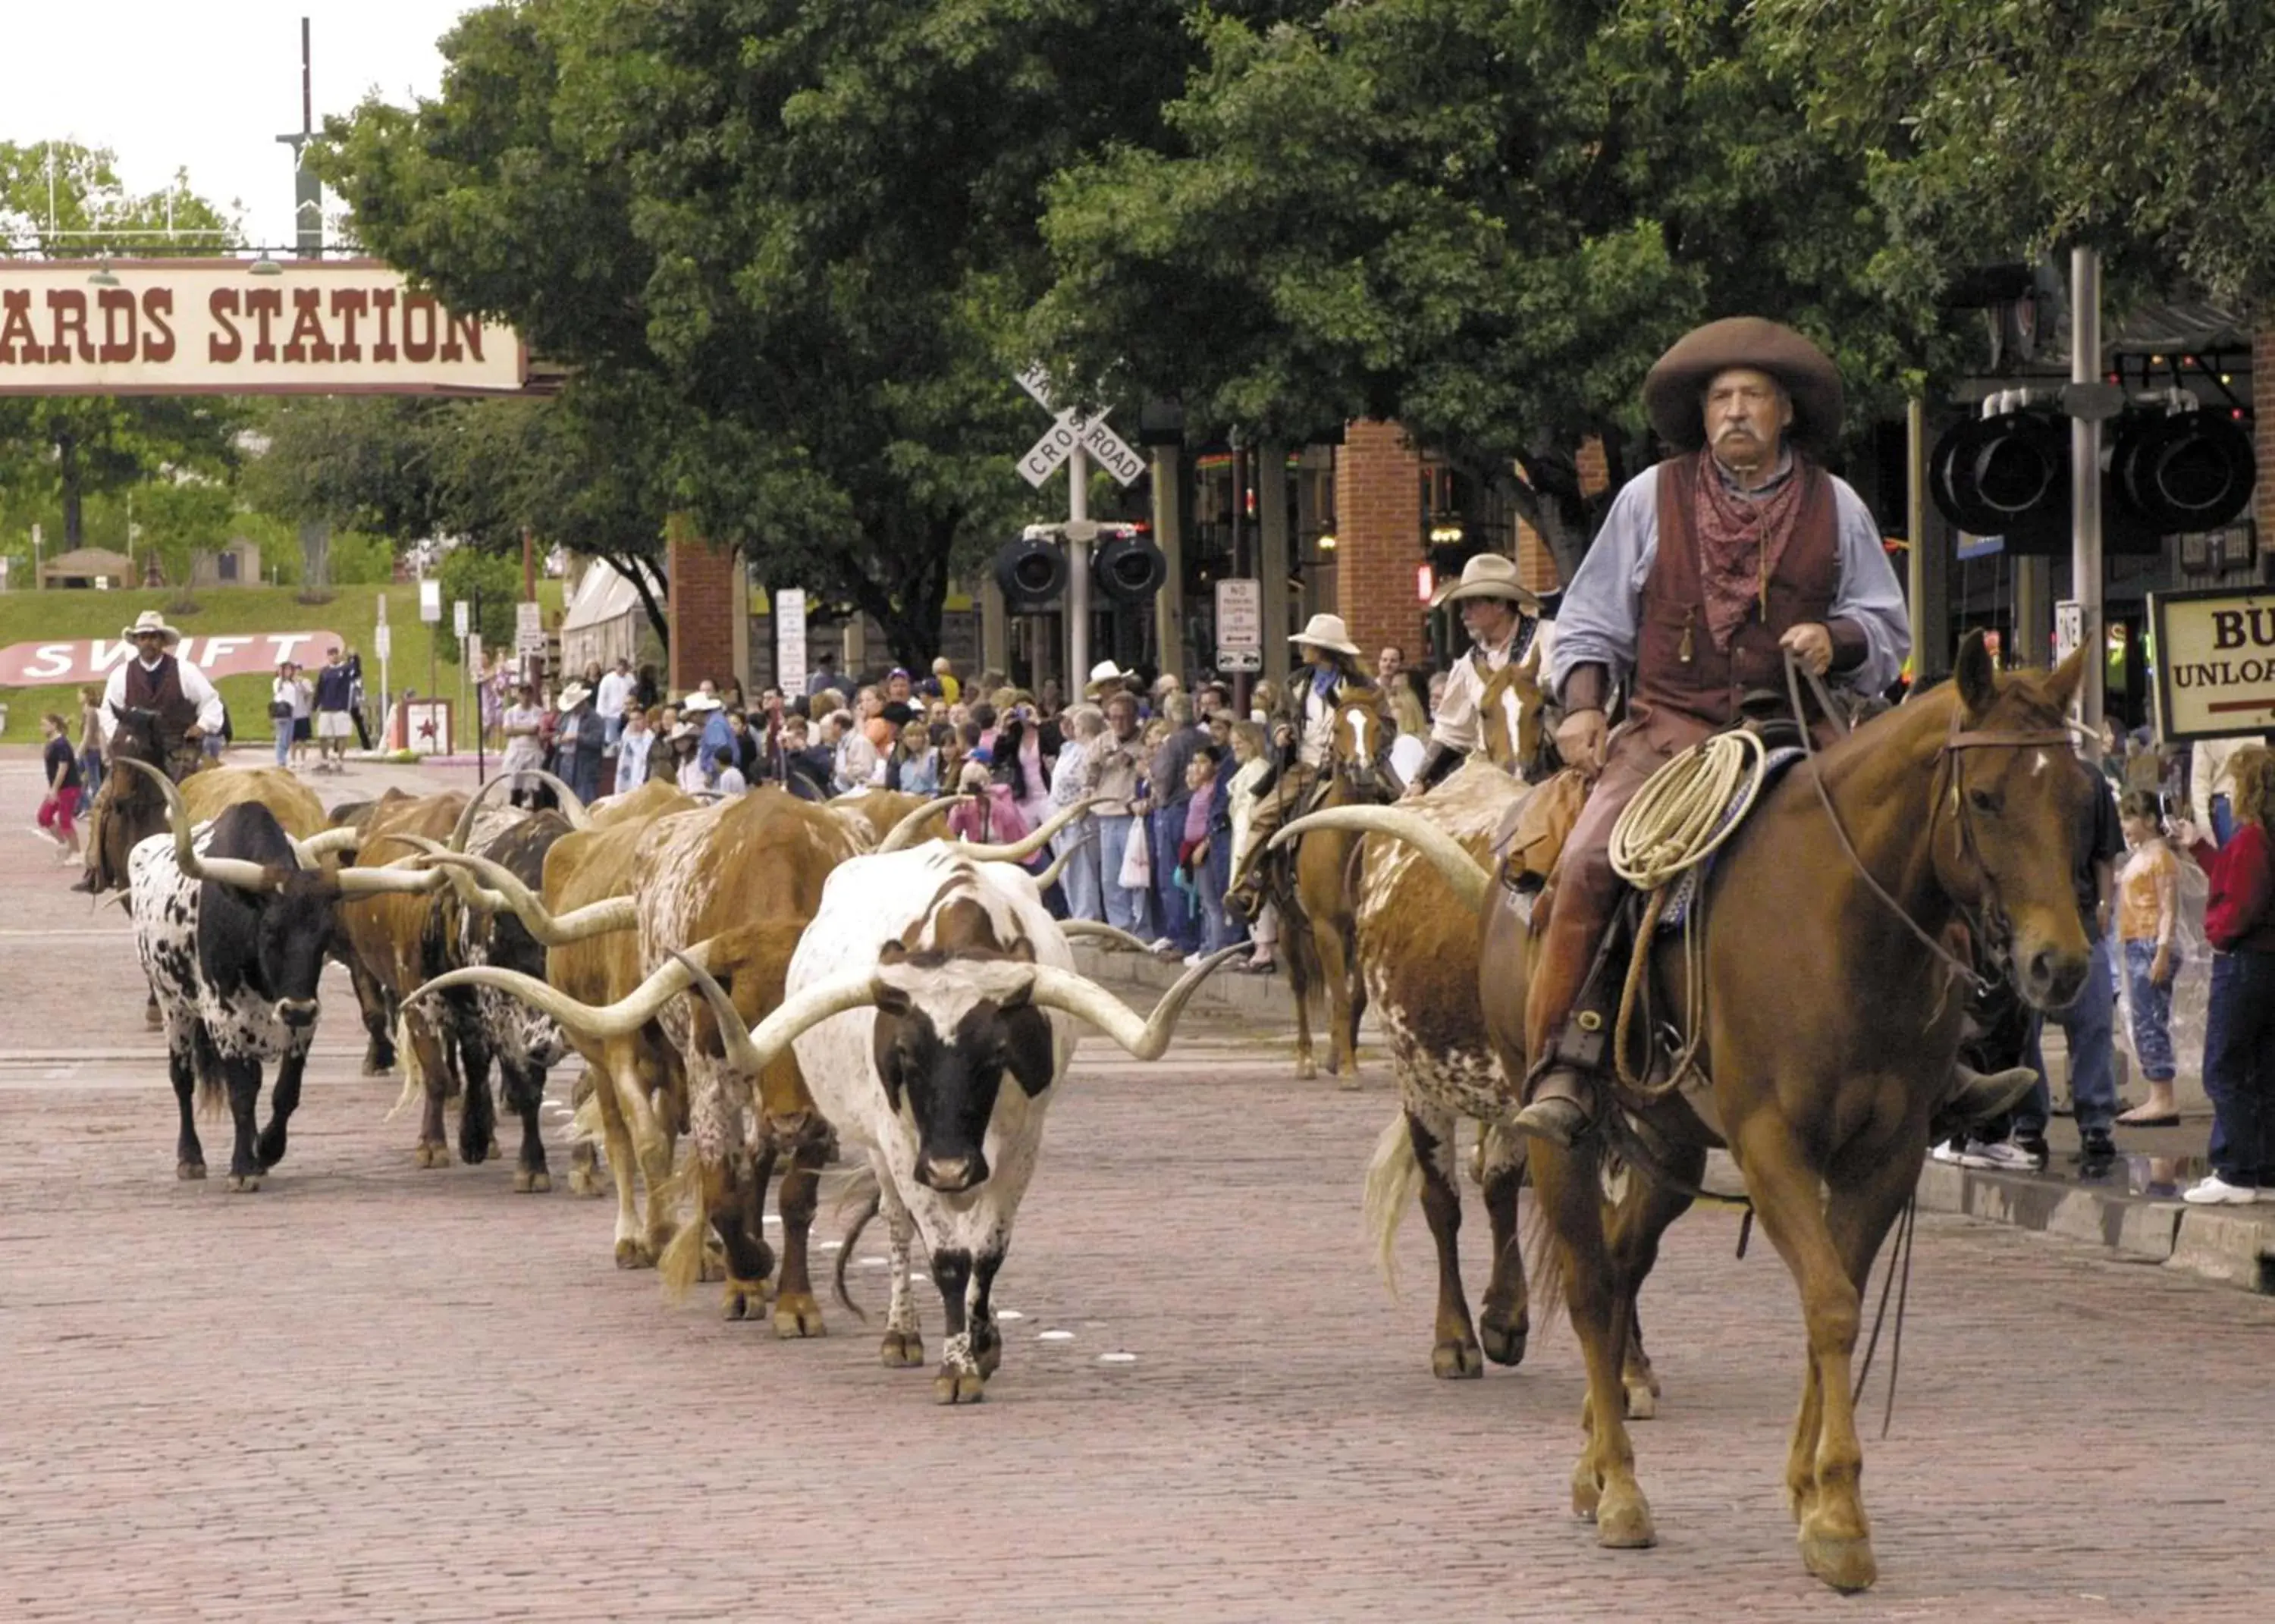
column 233, row 920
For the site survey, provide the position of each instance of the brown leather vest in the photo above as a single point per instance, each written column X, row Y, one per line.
column 1677, row 666
column 160, row 691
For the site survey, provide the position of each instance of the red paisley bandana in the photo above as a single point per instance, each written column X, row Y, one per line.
column 1741, row 539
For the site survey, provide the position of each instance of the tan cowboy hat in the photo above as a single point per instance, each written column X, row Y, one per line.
column 1106, row 675
column 150, row 620
column 1327, row 632
column 574, row 695
column 699, row 702
column 1488, row 575
column 1672, row 392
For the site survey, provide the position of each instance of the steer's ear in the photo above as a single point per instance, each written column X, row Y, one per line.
column 1027, row 1049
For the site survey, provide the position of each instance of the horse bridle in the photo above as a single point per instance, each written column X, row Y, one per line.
column 1987, row 918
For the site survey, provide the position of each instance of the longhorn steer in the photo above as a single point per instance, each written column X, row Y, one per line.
column 937, row 1051
column 233, row 920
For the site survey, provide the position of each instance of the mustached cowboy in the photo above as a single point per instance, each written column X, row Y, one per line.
column 1711, row 567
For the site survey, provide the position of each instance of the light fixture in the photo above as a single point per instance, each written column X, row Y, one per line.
column 1444, row 535
column 1426, row 582
column 1327, row 542
column 264, row 267
column 103, row 276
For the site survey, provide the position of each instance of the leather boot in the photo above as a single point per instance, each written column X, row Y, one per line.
column 1559, row 1110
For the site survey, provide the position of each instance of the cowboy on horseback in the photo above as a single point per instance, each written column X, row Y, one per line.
column 1711, row 569
column 1304, row 739
column 1500, row 614
column 167, row 708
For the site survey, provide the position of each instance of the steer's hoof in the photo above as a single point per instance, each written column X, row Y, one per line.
column 797, row 1315
column 585, row 1182
column 959, row 1386
column 244, row 1183
column 744, row 1300
column 1843, row 1561
column 1306, row 1067
column 270, row 1151
column 1455, row 1360
column 901, row 1350
column 528, row 1183
column 1623, row 1519
column 431, row 1155
column 1503, row 1344
column 633, row 1252
column 189, row 1169
column 1642, row 1398
column 375, row 1066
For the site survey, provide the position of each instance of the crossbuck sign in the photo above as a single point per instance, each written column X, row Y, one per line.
column 1072, row 429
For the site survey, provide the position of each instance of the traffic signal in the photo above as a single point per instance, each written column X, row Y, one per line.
column 2169, row 473
column 1032, row 573
column 1127, row 568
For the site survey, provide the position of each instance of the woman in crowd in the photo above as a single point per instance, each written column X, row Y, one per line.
column 2239, row 1063
column 1248, row 751
column 283, row 705
column 1080, row 726
column 90, row 743
column 1026, row 747
column 686, row 757
column 632, row 747
column 59, row 762
column 913, row 768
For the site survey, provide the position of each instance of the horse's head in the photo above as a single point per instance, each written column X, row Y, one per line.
column 1359, row 737
column 1513, row 722
column 138, row 736
column 2016, row 795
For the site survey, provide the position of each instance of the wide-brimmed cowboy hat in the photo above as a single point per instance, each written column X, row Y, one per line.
column 574, row 695
column 1106, row 675
column 1488, row 575
column 682, row 730
column 1674, row 392
column 1327, row 632
column 147, row 621
column 700, row 702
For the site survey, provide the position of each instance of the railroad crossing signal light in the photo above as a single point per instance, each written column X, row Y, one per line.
column 1128, row 567
column 1032, row 573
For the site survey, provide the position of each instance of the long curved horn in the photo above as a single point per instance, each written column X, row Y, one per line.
column 313, row 849
column 403, row 877
column 1020, row 850
column 1104, row 932
column 613, row 913
column 1079, row 996
column 1470, row 878
column 751, row 1051
column 463, row 830
column 572, row 807
column 903, row 833
column 620, row 1019
column 1049, row 876
column 471, row 891
column 230, row 871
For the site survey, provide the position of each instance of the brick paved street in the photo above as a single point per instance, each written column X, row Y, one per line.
column 374, row 1392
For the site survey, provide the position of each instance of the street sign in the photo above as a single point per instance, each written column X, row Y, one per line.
column 382, row 640
column 1239, row 625
column 474, row 653
column 430, row 602
column 2069, row 628
column 790, row 640
column 1041, row 459
column 1036, row 382
column 1108, row 449
column 1111, row 451
column 528, row 629
column 460, row 617
column 2215, row 670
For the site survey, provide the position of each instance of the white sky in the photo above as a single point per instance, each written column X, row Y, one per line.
column 208, row 85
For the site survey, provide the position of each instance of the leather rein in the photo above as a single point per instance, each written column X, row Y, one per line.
column 1950, row 756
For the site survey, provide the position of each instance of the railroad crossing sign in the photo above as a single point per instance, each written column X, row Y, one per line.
column 1239, row 624
column 1041, row 459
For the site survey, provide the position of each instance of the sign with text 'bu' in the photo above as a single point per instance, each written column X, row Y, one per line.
column 2215, row 663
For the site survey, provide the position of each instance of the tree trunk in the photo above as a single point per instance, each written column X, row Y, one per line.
column 67, row 476
column 628, row 566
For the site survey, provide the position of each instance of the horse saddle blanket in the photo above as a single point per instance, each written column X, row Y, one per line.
column 1684, row 893
column 1532, row 831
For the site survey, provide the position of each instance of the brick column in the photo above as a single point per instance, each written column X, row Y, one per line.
column 1379, row 538
column 2263, row 433
column 706, row 598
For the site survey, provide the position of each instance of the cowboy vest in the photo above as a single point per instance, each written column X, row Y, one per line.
column 1677, row 666
column 160, row 691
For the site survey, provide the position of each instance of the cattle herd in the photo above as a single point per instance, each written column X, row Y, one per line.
column 759, row 974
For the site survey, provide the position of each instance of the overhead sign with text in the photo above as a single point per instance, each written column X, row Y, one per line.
column 38, row 664
column 2215, row 663
column 216, row 327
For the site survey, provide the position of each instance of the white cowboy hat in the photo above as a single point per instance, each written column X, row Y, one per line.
column 680, row 730
column 699, row 701
column 150, row 620
column 1106, row 674
column 1488, row 575
column 574, row 695
column 1327, row 632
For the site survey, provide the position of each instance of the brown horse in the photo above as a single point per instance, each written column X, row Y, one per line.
column 1312, row 887
column 129, row 808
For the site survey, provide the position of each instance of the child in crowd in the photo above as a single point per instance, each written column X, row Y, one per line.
column 726, row 777
column 632, row 747
column 60, row 764
column 2148, row 910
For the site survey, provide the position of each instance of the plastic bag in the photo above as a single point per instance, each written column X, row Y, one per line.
column 1136, row 860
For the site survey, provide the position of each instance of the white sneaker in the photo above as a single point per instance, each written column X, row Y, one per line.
column 2004, row 1157
column 2214, row 1190
column 1162, row 944
column 1945, row 1152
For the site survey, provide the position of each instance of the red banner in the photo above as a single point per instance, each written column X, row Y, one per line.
column 37, row 665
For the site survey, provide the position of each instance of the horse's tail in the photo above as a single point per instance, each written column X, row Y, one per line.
column 689, row 1194
column 1394, row 1183
column 861, row 1198
column 1547, row 1261
column 213, row 1083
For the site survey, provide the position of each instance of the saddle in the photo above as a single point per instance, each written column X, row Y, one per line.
column 1533, row 831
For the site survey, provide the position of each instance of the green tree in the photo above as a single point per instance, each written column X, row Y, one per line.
column 788, row 247
column 2006, row 128
column 1482, row 218
column 469, row 574
column 61, row 200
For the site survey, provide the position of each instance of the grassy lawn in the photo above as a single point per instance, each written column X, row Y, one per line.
column 73, row 617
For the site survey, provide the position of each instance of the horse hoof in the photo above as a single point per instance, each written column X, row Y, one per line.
column 585, row 1182
column 431, row 1156
column 1843, row 1561
column 376, row 1068
column 189, row 1169
column 1623, row 1519
column 959, row 1387
column 1455, row 1360
column 1305, row 1070
column 1643, row 1401
column 742, row 1301
column 797, row 1316
column 632, row 1253
column 1349, row 1082
column 244, row 1183
column 528, row 1183
column 901, row 1350
column 1503, row 1344
column 1587, row 1492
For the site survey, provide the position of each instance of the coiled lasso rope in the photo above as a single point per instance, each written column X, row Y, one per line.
column 1681, row 816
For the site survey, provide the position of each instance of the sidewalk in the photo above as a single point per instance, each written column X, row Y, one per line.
column 2134, row 1212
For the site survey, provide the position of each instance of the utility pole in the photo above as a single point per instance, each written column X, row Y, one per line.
column 1080, row 532
column 307, row 191
column 2085, row 489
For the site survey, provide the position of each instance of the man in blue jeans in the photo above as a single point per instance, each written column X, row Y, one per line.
column 1170, row 794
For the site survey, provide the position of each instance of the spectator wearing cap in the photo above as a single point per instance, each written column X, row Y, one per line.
column 708, row 713
column 576, row 737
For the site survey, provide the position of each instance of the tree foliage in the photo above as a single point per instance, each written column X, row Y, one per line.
column 1481, row 218
column 792, row 244
column 2006, row 128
